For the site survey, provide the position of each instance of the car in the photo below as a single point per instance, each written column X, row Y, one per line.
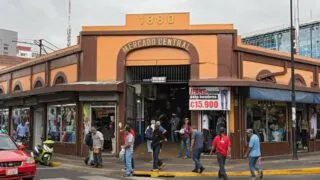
column 15, row 163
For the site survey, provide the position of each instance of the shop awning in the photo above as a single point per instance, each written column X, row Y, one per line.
column 282, row 95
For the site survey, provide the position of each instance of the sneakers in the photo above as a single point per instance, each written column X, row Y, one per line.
column 195, row 171
column 260, row 174
column 187, row 157
column 201, row 170
column 155, row 170
column 162, row 166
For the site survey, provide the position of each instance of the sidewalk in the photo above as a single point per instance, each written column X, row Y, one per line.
column 308, row 163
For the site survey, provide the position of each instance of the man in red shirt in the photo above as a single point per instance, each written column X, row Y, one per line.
column 222, row 145
column 133, row 133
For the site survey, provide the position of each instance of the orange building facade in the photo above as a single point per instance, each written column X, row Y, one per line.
column 102, row 78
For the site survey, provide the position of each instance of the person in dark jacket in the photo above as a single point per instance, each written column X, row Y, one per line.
column 89, row 143
column 157, row 139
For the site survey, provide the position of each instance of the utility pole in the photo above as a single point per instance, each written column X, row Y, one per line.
column 293, row 90
column 69, row 26
column 40, row 46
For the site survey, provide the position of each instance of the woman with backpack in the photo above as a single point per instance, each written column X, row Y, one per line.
column 148, row 135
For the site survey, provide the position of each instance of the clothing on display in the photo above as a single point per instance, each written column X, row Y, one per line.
column 313, row 126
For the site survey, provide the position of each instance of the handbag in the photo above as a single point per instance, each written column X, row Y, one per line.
column 121, row 155
column 96, row 150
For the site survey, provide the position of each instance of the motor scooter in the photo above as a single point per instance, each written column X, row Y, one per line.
column 42, row 153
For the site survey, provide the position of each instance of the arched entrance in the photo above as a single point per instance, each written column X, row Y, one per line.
column 156, row 72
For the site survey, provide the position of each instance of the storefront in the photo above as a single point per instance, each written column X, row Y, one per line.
column 125, row 74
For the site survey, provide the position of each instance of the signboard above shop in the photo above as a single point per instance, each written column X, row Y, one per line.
column 209, row 98
column 156, row 80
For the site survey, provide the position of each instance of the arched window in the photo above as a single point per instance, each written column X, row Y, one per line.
column 59, row 80
column 17, row 88
column 266, row 76
column 38, row 84
column 1, row 91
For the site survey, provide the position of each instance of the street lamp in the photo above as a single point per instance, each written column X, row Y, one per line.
column 293, row 90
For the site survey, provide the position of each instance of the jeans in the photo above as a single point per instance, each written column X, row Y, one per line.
column 132, row 162
column 196, row 158
column 222, row 170
column 174, row 136
column 156, row 161
column 253, row 165
column 98, row 158
column 182, row 146
column 128, row 162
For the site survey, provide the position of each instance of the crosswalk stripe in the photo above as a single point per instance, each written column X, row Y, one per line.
column 96, row 178
column 55, row 179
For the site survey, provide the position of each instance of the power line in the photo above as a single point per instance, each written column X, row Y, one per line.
column 51, row 44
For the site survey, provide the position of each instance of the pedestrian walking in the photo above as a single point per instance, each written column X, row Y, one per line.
column 254, row 153
column 174, row 122
column 3, row 130
column 97, row 144
column 196, row 148
column 22, row 132
column 133, row 133
column 157, row 139
column 148, row 135
column 88, row 140
column 222, row 145
column 185, row 140
column 128, row 146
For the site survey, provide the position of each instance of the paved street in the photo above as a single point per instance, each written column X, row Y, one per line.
column 60, row 173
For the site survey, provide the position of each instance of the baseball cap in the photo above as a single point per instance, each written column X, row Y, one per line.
column 249, row 131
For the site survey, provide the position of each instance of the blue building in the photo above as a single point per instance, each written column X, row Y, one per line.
column 309, row 40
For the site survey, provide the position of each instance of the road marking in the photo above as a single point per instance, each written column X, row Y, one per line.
column 143, row 178
column 55, row 179
column 48, row 168
column 96, row 178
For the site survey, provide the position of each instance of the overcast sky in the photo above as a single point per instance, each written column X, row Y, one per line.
column 35, row 19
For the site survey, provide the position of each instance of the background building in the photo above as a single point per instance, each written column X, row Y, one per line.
column 309, row 40
column 26, row 52
column 8, row 42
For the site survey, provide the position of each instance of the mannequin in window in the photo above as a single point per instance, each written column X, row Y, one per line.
column 259, row 129
column 277, row 133
column 313, row 125
column 221, row 122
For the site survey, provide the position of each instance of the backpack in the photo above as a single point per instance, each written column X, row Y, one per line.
column 149, row 133
column 88, row 140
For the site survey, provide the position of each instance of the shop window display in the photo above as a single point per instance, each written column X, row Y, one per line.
column 315, row 124
column 86, row 120
column 62, row 123
column 212, row 121
column 267, row 119
column 19, row 115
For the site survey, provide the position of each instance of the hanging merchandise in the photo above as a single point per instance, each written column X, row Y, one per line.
column 313, row 126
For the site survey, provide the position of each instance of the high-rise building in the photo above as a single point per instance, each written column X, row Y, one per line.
column 8, row 42
column 309, row 40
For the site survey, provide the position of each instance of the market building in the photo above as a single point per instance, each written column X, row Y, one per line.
column 159, row 64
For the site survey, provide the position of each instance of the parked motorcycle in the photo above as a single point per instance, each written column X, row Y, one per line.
column 43, row 153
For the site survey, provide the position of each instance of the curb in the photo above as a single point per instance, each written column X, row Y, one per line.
column 302, row 171
column 55, row 164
